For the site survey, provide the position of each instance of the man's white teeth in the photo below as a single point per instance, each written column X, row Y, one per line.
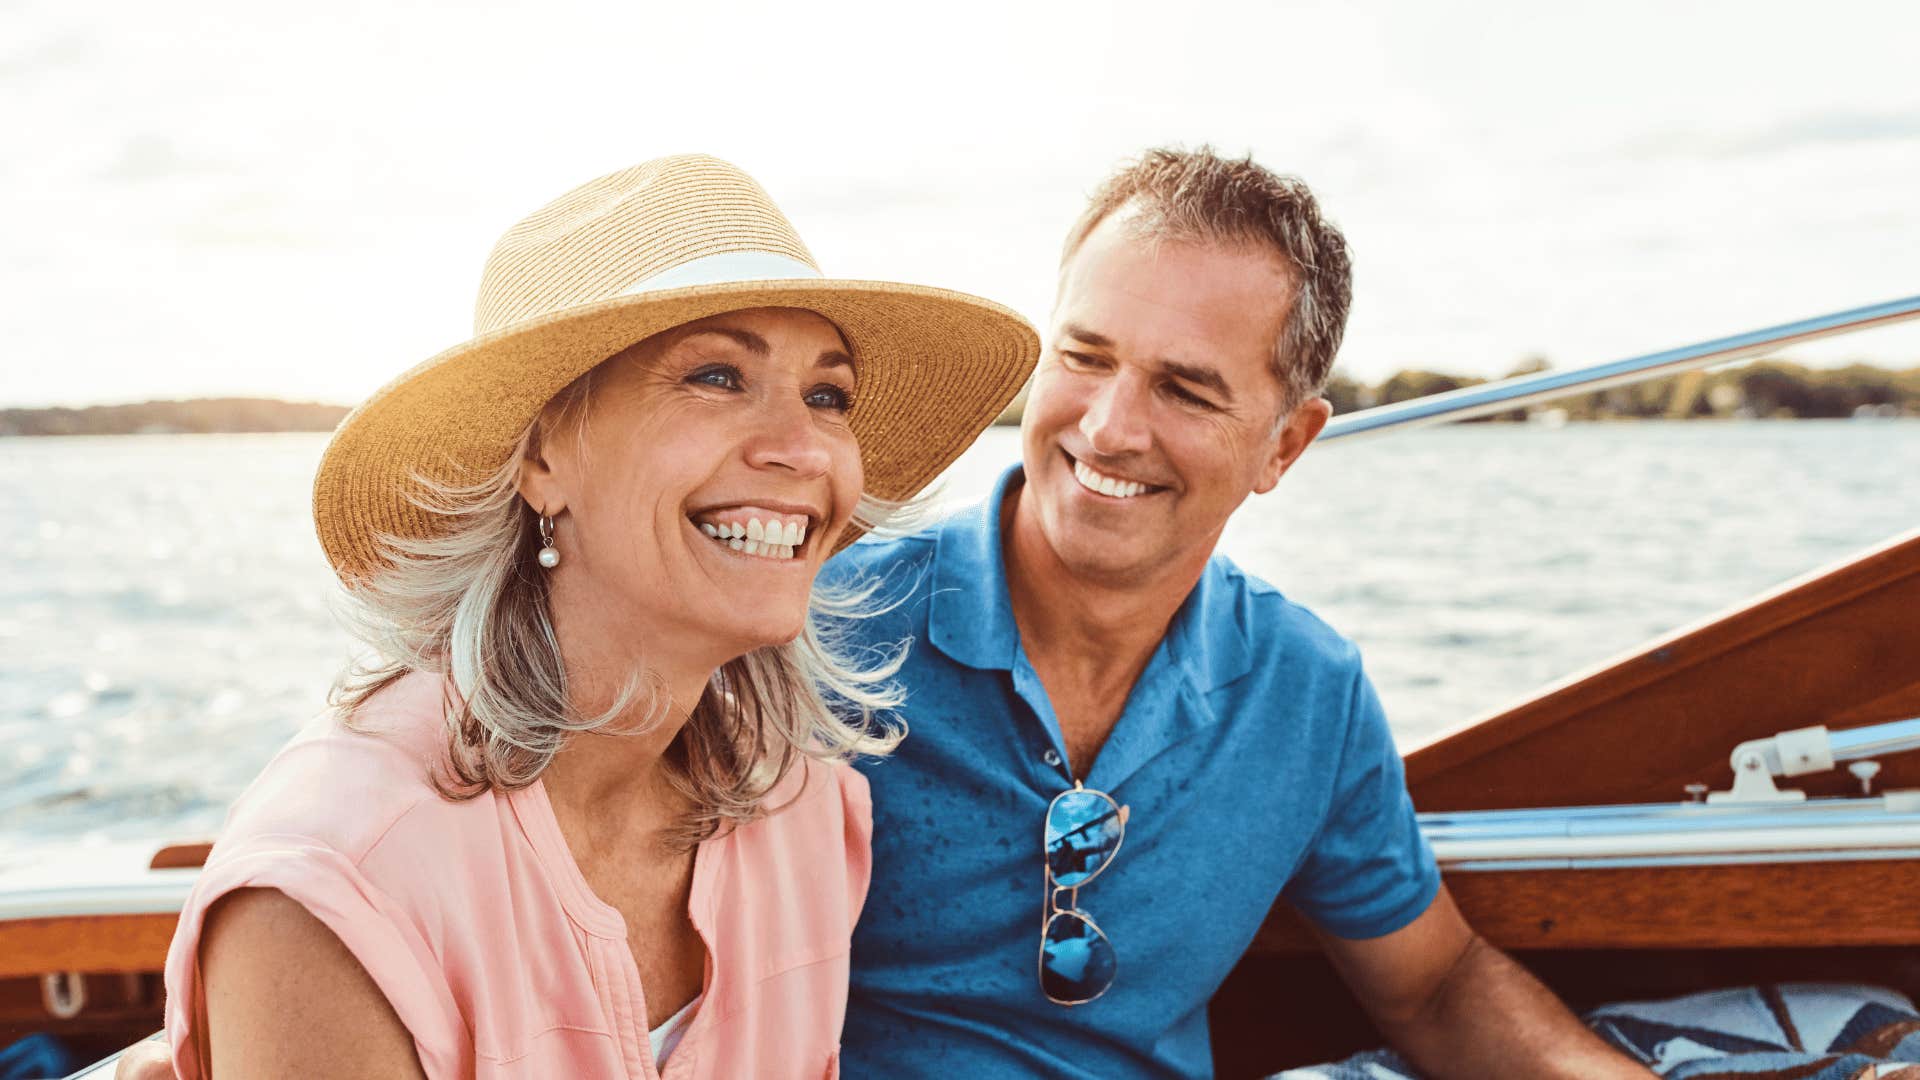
column 1104, row 484
column 772, row 538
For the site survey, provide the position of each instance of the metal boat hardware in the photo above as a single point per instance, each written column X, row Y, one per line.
column 1508, row 394
column 1809, row 750
column 1677, row 834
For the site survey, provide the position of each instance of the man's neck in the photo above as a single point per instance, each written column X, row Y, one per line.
column 1088, row 639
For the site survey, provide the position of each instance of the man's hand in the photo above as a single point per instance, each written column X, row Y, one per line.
column 1458, row 1007
column 148, row 1060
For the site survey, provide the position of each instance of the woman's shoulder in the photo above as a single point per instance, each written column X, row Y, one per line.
column 816, row 792
column 344, row 782
column 813, row 851
column 347, row 823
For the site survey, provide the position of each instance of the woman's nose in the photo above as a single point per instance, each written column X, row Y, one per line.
column 788, row 436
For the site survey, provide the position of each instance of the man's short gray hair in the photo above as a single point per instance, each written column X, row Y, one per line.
column 1200, row 196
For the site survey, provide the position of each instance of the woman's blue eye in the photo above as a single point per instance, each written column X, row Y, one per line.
column 828, row 396
column 724, row 376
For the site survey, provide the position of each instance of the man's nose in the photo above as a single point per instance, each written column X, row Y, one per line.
column 1115, row 421
column 787, row 436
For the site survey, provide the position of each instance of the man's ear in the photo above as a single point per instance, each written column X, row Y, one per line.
column 538, row 484
column 1296, row 433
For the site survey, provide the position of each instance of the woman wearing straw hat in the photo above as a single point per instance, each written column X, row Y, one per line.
column 586, row 812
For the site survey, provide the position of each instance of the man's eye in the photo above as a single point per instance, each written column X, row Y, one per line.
column 723, row 376
column 829, row 396
column 1188, row 398
column 1080, row 360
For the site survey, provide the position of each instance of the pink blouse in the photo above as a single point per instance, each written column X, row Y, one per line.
column 477, row 926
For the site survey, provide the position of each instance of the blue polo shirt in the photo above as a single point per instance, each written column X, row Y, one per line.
column 1256, row 762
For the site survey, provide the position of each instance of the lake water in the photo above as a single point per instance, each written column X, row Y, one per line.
column 165, row 619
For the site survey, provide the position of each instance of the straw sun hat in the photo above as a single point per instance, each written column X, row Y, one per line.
column 618, row 260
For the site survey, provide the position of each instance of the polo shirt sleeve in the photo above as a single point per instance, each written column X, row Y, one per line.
column 1368, row 871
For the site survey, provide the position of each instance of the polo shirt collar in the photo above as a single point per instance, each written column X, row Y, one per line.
column 970, row 617
column 971, row 614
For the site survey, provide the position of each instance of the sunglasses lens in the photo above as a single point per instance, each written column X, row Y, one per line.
column 1083, row 832
column 1077, row 962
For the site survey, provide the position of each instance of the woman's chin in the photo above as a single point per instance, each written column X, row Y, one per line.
column 765, row 633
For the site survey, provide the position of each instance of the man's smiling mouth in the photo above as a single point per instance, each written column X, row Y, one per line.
column 1114, row 487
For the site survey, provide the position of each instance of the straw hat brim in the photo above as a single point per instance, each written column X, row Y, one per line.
column 934, row 368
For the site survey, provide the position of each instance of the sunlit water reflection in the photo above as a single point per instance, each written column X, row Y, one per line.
column 165, row 625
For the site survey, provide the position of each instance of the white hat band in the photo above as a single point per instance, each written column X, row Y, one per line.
column 727, row 266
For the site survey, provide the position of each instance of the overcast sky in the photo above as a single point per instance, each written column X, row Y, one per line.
column 230, row 197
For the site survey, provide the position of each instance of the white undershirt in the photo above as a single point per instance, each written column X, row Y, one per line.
column 667, row 1035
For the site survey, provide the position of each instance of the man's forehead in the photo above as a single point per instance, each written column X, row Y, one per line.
column 1183, row 299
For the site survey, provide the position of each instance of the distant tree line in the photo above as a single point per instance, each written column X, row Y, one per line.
column 1764, row 388
column 1771, row 389
column 204, row 415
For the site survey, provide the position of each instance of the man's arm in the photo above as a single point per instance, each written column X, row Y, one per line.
column 1458, row 1007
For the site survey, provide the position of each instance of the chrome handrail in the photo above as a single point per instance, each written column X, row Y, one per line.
column 1875, row 740
column 1676, row 834
column 1522, row 390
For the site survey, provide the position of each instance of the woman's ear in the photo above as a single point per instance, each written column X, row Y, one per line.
column 538, row 484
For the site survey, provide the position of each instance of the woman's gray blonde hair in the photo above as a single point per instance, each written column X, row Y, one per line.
column 472, row 603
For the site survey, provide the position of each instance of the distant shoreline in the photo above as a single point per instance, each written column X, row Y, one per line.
column 198, row 416
column 1765, row 389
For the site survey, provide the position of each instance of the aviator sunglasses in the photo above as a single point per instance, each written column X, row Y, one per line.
column 1083, row 833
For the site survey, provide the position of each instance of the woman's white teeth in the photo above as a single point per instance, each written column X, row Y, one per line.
column 772, row 538
column 1104, row 484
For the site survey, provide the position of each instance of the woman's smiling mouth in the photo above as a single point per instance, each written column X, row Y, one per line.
column 755, row 531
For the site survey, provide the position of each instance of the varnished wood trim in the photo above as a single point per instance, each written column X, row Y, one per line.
column 89, row 943
column 1719, row 907
column 181, row 855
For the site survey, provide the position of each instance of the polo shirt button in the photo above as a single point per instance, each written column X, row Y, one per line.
column 1052, row 758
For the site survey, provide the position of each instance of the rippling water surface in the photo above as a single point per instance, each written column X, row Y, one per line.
column 165, row 621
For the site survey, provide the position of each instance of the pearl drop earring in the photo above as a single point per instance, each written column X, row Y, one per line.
column 549, row 555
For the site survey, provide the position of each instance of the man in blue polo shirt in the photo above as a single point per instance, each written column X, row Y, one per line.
column 1193, row 744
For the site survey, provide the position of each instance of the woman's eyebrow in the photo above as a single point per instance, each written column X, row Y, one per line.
column 758, row 346
column 746, row 339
